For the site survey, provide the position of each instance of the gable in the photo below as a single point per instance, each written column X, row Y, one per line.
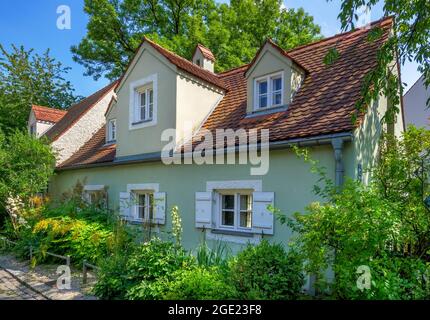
column 270, row 60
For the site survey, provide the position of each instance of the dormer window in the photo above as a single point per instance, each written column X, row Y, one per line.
column 269, row 91
column 146, row 104
column 111, row 136
column 143, row 102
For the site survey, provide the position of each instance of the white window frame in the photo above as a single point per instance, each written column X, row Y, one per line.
column 270, row 91
column 236, row 210
column 136, row 88
column 142, row 188
column 147, row 207
column 111, row 136
column 92, row 189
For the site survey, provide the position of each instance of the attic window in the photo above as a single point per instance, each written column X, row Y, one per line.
column 269, row 91
column 143, row 102
column 198, row 62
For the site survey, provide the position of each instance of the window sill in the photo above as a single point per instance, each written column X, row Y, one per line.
column 142, row 121
column 247, row 234
column 269, row 110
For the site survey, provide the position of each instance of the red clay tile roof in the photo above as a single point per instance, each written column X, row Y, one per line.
column 93, row 152
column 324, row 104
column 47, row 114
column 206, row 52
column 76, row 111
column 326, row 100
column 188, row 66
column 282, row 51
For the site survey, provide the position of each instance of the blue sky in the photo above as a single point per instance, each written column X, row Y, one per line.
column 33, row 24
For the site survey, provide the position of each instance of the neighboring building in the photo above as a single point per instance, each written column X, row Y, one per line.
column 41, row 119
column 415, row 102
column 80, row 123
column 293, row 93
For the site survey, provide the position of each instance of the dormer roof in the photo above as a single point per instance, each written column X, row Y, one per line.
column 206, row 52
column 47, row 114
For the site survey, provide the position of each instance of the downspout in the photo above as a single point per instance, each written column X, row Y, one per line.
column 339, row 169
column 337, row 144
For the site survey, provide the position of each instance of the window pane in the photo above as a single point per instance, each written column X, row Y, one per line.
column 150, row 206
column 228, row 202
column 262, row 87
column 276, row 84
column 141, row 206
column 151, row 96
column 263, row 101
column 228, row 218
column 245, row 203
column 245, row 219
column 277, row 98
column 142, row 113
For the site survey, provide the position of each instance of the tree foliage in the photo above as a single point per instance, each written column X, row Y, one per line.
column 28, row 78
column 234, row 31
column 26, row 164
column 410, row 41
column 384, row 226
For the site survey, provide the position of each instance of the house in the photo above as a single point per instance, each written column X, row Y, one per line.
column 415, row 102
column 118, row 151
column 41, row 119
column 80, row 123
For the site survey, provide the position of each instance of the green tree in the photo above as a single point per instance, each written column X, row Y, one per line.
column 234, row 31
column 384, row 226
column 26, row 164
column 409, row 41
column 28, row 78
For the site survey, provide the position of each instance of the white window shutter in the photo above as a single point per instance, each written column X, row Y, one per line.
column 262, row 218
column 160, row 207
column 125, row 204
column 204, row 210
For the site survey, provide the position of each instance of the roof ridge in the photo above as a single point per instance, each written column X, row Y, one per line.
column 235, row 69
column 341, row 34
column 48, row 108
column 178, row 56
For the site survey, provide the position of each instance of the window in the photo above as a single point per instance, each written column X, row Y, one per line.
column 144, row 205
column 97, row 198
column 146, row 105
column 236, row 211
column 269, row 91
column 111, row 130
column 143, row 103
column 198, row 62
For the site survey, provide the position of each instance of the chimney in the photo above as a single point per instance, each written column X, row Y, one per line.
column 204, row 58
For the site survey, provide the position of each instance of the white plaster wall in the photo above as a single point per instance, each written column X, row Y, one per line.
column 82, row 131
column 194, row 102
column 41, row 127
column 416, row 111
column 206, row 63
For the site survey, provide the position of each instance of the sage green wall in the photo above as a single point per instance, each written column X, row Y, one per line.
column 289, row 177
column 146, row 140
column 270, row 61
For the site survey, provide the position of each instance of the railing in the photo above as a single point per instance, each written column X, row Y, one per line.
column 85, row 264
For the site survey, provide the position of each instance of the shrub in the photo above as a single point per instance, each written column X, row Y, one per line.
column 267, row 271
column 199, row 284
column 147, row 263
column 66, row 236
